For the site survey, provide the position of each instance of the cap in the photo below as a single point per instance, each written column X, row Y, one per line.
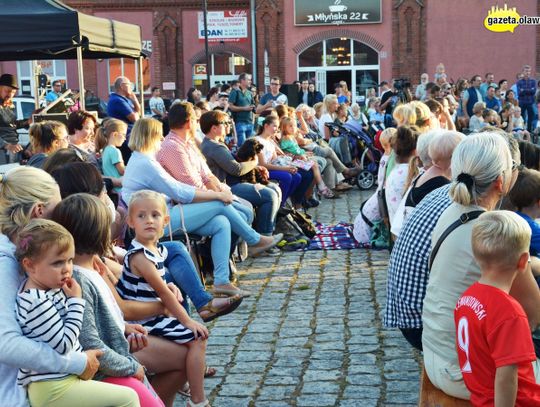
column 223, row 95
column 8, row 79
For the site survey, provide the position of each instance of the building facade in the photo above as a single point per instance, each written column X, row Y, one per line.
column 325, row 41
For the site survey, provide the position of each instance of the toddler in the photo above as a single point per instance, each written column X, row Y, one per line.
column 494, row 344
column 50, row 310
column 143, row 280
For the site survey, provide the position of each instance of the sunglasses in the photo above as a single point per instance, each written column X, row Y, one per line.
column 227, row 123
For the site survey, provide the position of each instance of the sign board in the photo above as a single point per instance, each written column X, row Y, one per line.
column 336, row 12
column 199, row 69
column 168, row 85
column 226, row 26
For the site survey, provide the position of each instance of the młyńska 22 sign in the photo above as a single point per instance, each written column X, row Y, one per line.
column 327, row 12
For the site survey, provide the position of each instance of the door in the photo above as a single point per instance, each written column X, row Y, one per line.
column 320, row 82
column 334, row 77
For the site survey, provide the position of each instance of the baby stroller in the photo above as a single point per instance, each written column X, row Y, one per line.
column 363, row 150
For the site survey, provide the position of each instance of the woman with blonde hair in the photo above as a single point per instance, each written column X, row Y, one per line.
column 46, row 137
column 338, row 143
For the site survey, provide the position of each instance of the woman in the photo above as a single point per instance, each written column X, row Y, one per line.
column 316, row 96
column 346, row 92
column 213, row 97
column 511, row 98
column 81, row 126
column 293, row 182
column 207, row 213
column 506, row 114
column 46, row 138
column 338, row 143
column 482, row 172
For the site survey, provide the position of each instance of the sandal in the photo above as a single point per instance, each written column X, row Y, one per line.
column 209, row 371
column 214, row 312
column 327, row 193
column 204, row 403
column 185, row 391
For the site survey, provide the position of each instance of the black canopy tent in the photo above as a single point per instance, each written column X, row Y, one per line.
column 48, row 29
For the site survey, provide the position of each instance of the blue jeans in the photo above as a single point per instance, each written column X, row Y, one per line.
column 217, row 220
column 527, row 111
column 266, row 202
column 244, row 131
column 182, row 272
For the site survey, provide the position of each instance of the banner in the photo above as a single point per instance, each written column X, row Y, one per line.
column 336, row 12
column 226, row 26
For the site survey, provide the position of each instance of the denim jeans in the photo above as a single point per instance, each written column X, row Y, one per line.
column 182, row 272
column 244, row 131
column 217, row 220
column 527, row 112
column 266, row 202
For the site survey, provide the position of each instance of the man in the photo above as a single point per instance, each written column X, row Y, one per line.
column 420, row 92
column 272, row 98
column 471, row 96
column 388, row 101
column 123, row 105
column 526, row 90
column 303, row 95
column 157, row 106
column 55, row 93
column 489, row 80
column 492, row 102
column 242, row 105
column 9, row 138
column 513, row 88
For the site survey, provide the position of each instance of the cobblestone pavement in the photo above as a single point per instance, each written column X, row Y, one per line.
column 311, row 334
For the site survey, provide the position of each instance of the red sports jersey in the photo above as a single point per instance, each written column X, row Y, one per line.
column 493, row 331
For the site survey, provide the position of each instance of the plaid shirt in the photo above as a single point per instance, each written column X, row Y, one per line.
column 408, row 268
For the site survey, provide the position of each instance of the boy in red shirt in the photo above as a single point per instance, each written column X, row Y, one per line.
column 494, row 343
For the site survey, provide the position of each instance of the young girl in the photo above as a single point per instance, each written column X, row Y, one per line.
column 50, row 310
column 288, row 144
column 109, row 137
column 143, row 280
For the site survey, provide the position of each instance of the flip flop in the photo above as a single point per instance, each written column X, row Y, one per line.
column 214, row 312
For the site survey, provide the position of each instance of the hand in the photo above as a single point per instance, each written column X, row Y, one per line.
column 176, row 292
column 92, row 364
column 72, row 289
column 137, row 337
column 264, row 172
column 291, row 169
column 139, row 374
column 226, row 197
column 199, row 330
column 13, row 148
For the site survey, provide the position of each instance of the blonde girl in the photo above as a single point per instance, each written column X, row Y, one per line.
column 45, row 138
column 143, row 279
column 50, row 310
column 288, row 144
column 109, row 137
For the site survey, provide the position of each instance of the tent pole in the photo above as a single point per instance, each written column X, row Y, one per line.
column 141, row 84
column 36, row 84
column 81, row 77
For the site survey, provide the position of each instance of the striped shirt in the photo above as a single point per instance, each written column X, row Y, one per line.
column 52, row 318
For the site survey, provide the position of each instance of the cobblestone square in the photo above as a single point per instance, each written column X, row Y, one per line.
column 311, row 334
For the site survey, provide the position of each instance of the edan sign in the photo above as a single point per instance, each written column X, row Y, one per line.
column 336, row 12
column 224, row 26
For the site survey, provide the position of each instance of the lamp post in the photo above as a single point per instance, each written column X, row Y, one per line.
column 205, row 16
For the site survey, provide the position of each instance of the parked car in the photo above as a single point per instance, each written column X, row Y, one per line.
column 24, row 106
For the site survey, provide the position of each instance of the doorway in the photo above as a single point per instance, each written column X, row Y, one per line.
column 333, row 77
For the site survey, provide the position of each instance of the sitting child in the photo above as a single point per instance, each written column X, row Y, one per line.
column 494, row 343
column 50, row 310
column 476, row 121
column 491, row 118
column 109, row 137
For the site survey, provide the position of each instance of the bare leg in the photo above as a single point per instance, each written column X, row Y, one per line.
column 196, row 365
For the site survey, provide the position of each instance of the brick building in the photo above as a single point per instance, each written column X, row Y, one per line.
column 406, row 38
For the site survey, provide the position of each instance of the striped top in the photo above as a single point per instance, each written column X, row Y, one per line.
column 49, row 317
column 134, row 287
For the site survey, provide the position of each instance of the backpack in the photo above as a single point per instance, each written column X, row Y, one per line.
column 291, row 222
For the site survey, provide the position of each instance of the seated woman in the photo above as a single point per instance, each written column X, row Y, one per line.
column 293, row 182
column 207, row 213
column 46, row 137
column 81, row 126
column 265, row 198
column 338, row 143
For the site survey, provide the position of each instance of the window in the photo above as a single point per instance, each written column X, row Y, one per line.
column 130, row 69
column 338, row 52
column 313, row 56
column 366, row 79
column 54, row 69
column 364, row 54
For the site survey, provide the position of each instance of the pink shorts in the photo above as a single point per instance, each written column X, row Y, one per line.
column 145, row 391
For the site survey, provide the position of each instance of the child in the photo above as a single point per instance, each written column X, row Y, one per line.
column 288, row 144
column 109, row 137
column 143, row 280
column 386, row 142
column 476, row 121
column 494, row 343
column 50, row 310
column 491, row 118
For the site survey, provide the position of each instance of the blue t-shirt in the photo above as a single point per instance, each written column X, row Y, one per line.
column 51, row 96
column 268, row 96
column 120, row 107
column 534, row 249
column 494, row 104
column 342, row 99
column 110, row 157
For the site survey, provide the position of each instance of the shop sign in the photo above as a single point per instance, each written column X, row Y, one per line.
column 336, row 12
column 199, row 69
column 224, row 26
column 168, row 85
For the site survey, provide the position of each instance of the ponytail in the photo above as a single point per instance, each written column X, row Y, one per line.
column 44, row 134
column 104, row 132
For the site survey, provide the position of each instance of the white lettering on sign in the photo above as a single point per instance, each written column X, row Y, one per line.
column 147, row 45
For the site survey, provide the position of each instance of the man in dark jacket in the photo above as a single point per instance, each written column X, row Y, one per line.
column 9, row 138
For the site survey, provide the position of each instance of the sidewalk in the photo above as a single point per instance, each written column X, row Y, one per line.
column 311, row 334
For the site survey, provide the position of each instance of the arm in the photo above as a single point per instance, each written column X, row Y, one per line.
column 41, row 318
column 223, row 157
column 464, row 101
column 146, row 269
column 506, row 384
column 303, row 128
column 261, row 108
column 525, row 291
column 273, row 167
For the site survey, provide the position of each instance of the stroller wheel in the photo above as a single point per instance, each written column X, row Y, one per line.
column 365, row 180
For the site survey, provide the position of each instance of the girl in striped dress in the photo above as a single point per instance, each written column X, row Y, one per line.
column 50, row 310
column 143, row 280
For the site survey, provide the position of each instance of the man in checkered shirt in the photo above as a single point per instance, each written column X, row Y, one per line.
column 408, row 268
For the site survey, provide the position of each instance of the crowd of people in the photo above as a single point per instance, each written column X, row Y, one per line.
column 97, row 284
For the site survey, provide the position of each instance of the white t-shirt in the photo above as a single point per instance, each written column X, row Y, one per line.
column 269, row 149
column 325, row 118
